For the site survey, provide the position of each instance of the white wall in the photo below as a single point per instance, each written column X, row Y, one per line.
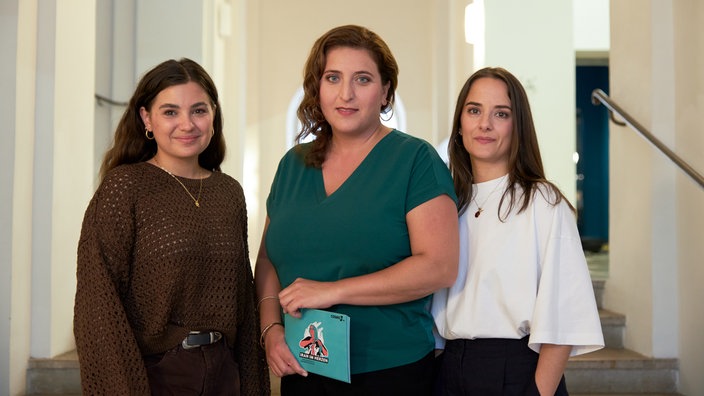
column 533, row 40
column 657, row 213
column 688, row 52
column 591, row 25
column 168, row 29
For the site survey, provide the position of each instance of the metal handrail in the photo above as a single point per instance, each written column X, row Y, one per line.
column 598, row 96
column 103, row 99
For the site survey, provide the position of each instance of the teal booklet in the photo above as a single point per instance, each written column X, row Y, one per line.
column 320, row 340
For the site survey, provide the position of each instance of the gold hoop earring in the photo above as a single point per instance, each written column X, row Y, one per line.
column 149, row 134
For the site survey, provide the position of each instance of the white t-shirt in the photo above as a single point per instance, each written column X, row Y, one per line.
column 526, row 275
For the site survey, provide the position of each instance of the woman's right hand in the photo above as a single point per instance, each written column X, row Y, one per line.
column 278, row 355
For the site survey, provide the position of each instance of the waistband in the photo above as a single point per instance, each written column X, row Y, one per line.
column 493, row 346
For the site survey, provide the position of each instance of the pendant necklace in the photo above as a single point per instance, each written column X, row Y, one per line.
column 200, row 189
column 480, row 208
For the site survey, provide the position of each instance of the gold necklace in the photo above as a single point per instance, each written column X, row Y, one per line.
column 480, row 209
column 200, row 189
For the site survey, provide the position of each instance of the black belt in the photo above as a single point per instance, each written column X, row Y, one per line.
column 196, row 339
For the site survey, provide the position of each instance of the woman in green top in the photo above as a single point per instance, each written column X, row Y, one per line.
column 361, row 221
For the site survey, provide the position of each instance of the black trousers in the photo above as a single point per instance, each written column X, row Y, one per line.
column 486, row 367
column 409, row 380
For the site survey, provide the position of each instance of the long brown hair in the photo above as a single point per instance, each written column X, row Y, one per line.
column 524, row 163
column 309, row 112
column 130, row 145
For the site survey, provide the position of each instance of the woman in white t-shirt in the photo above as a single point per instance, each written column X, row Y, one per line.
column 523, row 302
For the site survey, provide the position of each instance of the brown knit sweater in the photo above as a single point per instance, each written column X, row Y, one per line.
column 152, row 266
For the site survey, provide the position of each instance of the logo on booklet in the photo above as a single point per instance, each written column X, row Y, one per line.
column 313, row 344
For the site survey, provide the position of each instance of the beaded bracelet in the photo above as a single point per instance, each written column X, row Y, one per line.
column 266, row 298
column 266, row 330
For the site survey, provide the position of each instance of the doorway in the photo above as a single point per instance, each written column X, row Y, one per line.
column 593, row 158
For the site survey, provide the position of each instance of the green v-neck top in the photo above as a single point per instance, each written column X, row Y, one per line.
column 359, row 229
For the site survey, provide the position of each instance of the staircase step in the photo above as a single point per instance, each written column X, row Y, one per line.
column 61, row 376
column 55, row 376
column 598, row 264
column 598, row 286
column 620, row 371
column 613, row 326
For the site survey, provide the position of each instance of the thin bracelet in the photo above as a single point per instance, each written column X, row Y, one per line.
column 266, row 330
column 266, row 298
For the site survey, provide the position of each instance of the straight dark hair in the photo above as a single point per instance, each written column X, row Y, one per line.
column 524, row 163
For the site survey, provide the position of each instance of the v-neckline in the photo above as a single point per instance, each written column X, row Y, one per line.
column 352, row 176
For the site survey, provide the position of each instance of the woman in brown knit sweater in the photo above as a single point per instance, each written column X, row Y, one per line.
column 165, row 295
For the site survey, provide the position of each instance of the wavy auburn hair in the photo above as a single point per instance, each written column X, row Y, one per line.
column 309, row 112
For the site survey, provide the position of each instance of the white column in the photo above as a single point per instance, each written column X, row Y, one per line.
column 689, row 144
column 22, row 194
column 643, row 195
column 451, row 62
column 63, row 165
column 665, row 336
column 13, row 279
column 534, row 41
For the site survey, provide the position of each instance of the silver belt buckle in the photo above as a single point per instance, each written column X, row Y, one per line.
column 215, row 336
column 185, row 343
